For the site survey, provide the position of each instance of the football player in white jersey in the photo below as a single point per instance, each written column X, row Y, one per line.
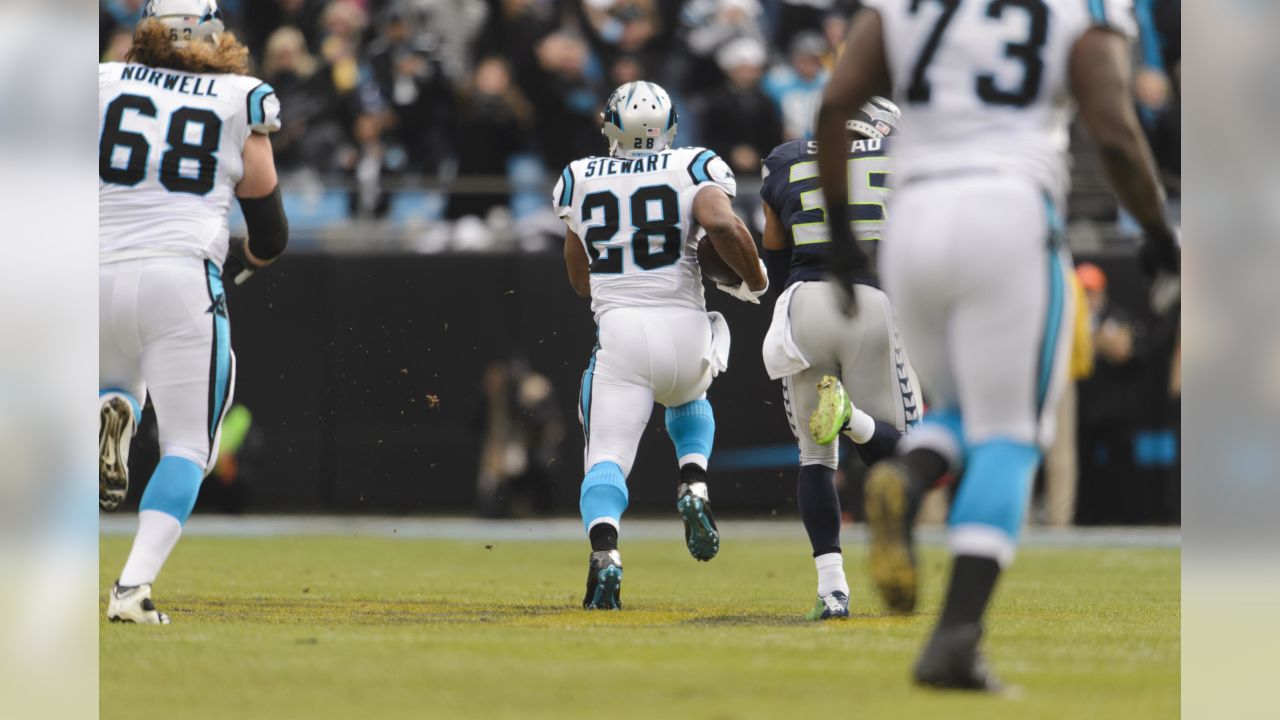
column 974, row 257
column 634, row 218
column 182, row 131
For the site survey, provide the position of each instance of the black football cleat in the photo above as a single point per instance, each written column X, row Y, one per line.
column 891, row 510
column 700, row 533
column 952, row 661
column 604, row 581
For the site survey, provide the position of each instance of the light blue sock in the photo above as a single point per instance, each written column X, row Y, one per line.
column 604, row 494
column 173, row 487
column 992, row 499
column 133, row 401
column 692, row 428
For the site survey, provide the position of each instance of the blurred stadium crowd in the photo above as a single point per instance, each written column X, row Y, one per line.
column 443, row 122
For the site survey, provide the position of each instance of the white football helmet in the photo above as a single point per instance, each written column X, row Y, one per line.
column 877, row 120
column 638, row 119
column 187, row 20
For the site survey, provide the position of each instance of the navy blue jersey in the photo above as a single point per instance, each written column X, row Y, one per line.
column 793, row 190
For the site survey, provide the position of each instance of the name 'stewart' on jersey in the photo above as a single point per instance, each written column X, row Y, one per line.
column 612, row 166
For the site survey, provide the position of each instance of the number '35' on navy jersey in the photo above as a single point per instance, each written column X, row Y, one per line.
column 792, row 189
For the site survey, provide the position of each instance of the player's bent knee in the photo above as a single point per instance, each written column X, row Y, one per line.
column 173, row 487
column 198, row 455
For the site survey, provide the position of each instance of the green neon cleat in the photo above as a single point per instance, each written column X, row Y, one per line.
column 834, row 410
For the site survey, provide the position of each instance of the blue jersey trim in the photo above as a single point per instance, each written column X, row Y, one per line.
column 1150, row 38
column 257, row 96
column 1098, row 11
column 566, row 194
column 698, row 168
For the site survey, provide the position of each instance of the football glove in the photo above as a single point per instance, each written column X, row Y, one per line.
column 238, row 265
column 744, row 293
column 846, row 262
column 1161, row 258
column 1161, row 251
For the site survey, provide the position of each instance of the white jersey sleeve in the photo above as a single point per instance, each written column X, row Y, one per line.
column 708, row 167
column 1117, row 15
column 562, row 195
column 262, row 107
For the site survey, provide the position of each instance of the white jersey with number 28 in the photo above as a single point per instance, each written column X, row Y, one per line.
column 984, row 84
column 635, row 219
column 170, row 153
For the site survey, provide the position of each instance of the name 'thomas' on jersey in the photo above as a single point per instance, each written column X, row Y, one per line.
column 984, row 84
column 791, row 188
column 635, row 219
column 170, row 154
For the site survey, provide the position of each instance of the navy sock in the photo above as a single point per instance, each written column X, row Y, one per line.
column 603, row 537
column 925, row 467
column 881, row 445
column 973, row 579
column 819, row 507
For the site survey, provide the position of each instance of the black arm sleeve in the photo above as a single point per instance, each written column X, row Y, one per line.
column 268, row 227
column 778, row 263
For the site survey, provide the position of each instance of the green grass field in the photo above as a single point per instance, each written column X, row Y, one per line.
column 346, row 627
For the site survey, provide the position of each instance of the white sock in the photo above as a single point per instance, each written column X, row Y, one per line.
column 696, row 458
column 158, row 532
column 831, row 574
column 861, row 426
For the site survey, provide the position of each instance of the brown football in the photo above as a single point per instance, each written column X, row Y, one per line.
column 713, row 266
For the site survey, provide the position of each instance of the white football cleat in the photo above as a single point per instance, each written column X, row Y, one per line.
column 116, row 424
column 133, row 605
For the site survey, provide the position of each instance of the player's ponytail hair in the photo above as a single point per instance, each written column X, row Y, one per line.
column 153, row 47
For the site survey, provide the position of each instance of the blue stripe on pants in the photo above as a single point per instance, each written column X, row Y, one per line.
column 1052, row 328
column 220, row 362
column 584, row 397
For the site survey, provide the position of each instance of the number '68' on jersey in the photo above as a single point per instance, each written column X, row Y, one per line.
column 170, row 153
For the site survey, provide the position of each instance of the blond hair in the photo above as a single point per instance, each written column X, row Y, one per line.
column 281, row 41
column 153, row 47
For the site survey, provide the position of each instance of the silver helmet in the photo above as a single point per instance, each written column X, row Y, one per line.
column 638, row 119
column 878, row 119
column 187, row 20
